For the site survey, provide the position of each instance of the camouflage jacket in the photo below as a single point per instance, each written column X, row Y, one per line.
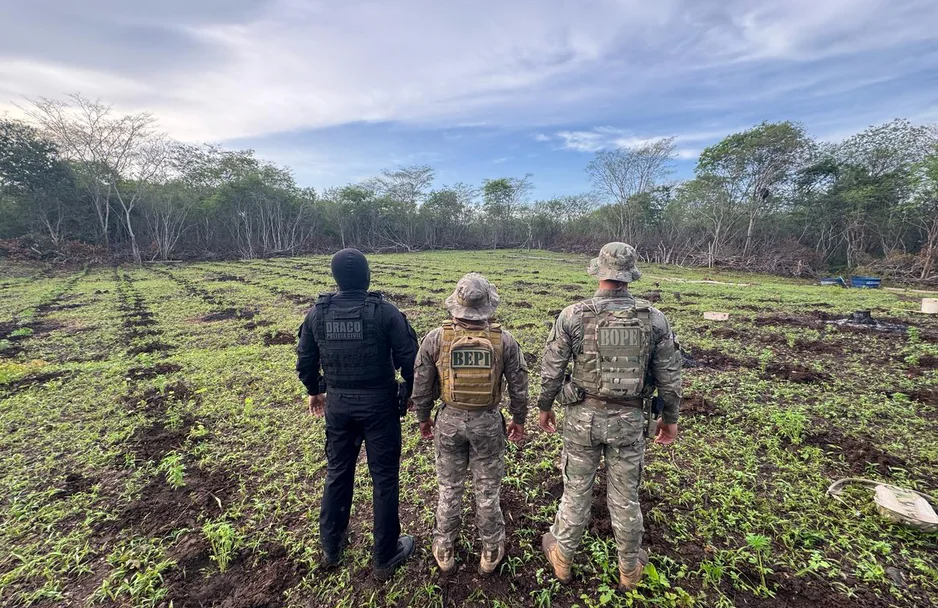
column 427, row 386
column 566, row 338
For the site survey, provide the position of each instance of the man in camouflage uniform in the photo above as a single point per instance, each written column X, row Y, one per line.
column 622, row 350
column 463, row 363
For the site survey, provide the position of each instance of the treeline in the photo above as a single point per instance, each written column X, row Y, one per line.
column 80, row 182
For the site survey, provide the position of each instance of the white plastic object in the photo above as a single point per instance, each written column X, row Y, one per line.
column 716, row 316
column 930, row 306
column 896, row 504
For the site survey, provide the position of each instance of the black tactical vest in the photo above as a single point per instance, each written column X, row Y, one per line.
column 353, row 351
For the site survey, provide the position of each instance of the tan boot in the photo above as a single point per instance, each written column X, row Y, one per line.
column 629, row 580
column 491, row 558
column 445, row 557
column 560, row 563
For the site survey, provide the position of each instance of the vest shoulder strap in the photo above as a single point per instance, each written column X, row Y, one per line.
column 446, row 339
column 322, row 306
column 642, row 305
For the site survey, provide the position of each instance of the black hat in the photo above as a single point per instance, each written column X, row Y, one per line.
column 350, row 270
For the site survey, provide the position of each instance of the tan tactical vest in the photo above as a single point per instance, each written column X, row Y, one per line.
column 613, row 358
column 470, row 366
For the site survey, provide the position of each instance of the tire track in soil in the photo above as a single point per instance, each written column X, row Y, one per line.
column 38, row 326
column 226, row 310
column 293, row 297
column 297, row 299
column 254, row 579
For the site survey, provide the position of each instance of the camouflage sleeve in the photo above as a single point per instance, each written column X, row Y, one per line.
column 426, row 383
column 554, row 362
column 666, row 364
column 516, row 373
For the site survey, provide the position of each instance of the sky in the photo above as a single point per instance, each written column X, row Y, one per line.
column 339, row 90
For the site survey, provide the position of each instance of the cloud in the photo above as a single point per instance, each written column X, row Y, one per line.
column 220, row 70
column 607, row 137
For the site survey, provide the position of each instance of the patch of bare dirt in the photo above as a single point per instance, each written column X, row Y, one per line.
column 32, row 380
column 710, row 359
column 146, row 373
column 725, row 332
column 254, row 580
column 698, row 405
column 228, row 314
column 400, row 298
column 794, row 373
column 279, row 337
column 858, row 453
column 256, row 324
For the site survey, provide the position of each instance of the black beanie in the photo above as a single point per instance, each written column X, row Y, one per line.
column 350, row 270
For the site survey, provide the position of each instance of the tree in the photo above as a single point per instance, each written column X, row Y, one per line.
column 501, row 199
column 446, row 215
column 43, row 185
column 922, row 210
column 618, row 175
column 755, row 165
column 713, row 205
column 402, row 190
column 113, row 155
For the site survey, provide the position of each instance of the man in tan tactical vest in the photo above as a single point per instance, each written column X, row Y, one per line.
column 622, row 350
column 463, row 363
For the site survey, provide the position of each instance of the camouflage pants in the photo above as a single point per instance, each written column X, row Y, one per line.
column 591, row 433
column 469, row 440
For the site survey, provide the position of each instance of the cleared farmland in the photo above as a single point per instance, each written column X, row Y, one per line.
column 155, row 447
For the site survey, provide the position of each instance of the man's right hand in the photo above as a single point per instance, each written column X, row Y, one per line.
column 547, row 421
column 317, row 405
column 667, row 433
column 426, row 429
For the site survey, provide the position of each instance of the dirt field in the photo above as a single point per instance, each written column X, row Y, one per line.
column 155, row 447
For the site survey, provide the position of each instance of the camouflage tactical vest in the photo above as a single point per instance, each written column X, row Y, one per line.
column 616, row 348
column 351, row 348
column 470, row 366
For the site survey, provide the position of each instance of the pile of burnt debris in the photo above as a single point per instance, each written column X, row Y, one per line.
column 863, row 319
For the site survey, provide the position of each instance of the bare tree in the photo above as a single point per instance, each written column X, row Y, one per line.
column 621, row 174
column 114, row 155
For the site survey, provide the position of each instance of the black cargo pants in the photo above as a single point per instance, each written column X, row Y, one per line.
column 353, row 417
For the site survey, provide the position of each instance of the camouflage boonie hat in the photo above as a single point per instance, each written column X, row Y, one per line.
column 616, row 262
column 475, row 299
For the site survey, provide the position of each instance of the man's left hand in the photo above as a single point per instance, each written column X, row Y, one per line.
column 317, row 405
column 515, row 432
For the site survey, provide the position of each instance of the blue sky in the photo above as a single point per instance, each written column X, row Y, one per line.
column 339, row 90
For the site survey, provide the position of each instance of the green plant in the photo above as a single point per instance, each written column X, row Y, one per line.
column 137, row 573
column 174, row 469
column 759, row 547
column 224, row 541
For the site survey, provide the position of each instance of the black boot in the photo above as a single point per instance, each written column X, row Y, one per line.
column 332, row 558
column 405, row 548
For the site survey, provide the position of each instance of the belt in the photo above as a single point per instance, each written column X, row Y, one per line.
column 472, row 408
column 612, row 404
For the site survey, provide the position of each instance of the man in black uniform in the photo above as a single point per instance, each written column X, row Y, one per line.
column 358, row 339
